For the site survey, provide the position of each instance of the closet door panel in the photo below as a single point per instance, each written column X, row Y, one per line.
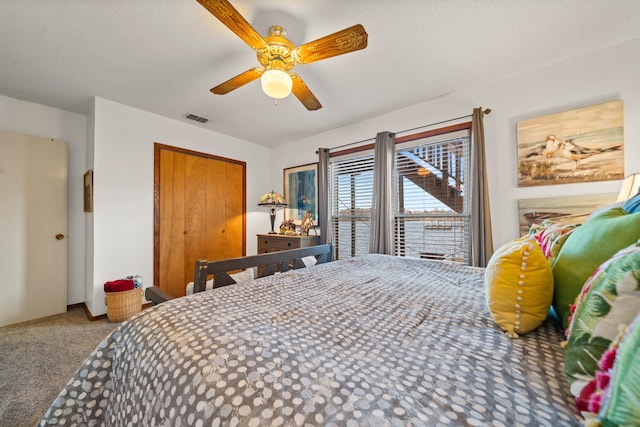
column 216, row 209
column 172, row 228
column 234, row 213
column 195, row 215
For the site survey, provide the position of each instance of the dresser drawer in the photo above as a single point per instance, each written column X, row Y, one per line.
column 277, row 243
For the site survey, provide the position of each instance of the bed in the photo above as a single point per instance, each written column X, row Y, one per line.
column 372, row 340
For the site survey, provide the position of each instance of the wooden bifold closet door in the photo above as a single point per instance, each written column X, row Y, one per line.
column 200, row 213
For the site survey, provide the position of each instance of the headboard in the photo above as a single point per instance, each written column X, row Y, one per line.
column 267, row 264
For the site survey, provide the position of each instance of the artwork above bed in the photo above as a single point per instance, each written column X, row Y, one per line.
column 565, row 209
column 581, row 145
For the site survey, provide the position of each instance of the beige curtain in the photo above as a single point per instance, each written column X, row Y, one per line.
column 481, row 236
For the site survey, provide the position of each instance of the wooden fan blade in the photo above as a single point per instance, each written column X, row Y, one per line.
column 345, row 41
column 302, row 92
column 229, row 16
column 237, row 81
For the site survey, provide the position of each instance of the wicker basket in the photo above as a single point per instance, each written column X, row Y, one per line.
column 123, row 305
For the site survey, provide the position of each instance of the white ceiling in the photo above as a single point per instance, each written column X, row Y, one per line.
column 163, row 56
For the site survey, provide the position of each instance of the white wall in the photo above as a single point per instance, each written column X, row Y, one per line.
column 123, row 141
column 119, row 139
column 34, row 119
column 597, row 77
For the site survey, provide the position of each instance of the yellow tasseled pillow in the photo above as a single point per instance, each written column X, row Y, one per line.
column 519, row 286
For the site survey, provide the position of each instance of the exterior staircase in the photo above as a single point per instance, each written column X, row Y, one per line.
column 437, row 169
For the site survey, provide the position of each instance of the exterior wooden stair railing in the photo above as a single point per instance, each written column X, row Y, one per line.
column 437, row 169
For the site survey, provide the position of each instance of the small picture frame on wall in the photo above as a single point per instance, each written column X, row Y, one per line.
column 301, row 192
column 88, row 191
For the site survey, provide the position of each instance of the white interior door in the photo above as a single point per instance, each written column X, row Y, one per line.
column 33, row 227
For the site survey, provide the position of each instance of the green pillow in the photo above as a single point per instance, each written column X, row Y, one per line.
column 587, row 247
column 609, row 299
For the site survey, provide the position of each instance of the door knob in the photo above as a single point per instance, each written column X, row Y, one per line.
column 59, row 236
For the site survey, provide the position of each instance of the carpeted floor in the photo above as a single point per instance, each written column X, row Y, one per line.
column 37, row 358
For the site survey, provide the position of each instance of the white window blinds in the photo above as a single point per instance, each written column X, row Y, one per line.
column 433, row 207
column 351, row 183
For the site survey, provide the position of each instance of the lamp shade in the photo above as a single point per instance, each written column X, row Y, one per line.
column 272, row 199
column 629, row 188
column 276, row 83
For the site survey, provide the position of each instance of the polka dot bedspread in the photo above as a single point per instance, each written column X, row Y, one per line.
column 368, row 341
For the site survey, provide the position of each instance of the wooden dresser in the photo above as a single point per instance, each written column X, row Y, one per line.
column 281, row 242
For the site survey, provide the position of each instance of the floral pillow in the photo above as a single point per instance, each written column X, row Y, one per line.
column 609, row 299
column 613, row 397
column 590, row 400
column 551, row 236
column 620, row 400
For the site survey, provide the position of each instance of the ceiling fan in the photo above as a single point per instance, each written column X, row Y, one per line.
column 278, row 55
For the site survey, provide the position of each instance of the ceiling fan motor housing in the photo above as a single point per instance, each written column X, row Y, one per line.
column 279, row 54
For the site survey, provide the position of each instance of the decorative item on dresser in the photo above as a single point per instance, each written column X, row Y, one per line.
column 279, row 242
column 273, row 200
column 307, row 223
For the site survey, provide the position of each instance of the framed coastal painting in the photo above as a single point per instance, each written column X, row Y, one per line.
column 581, row 145
column 568, row 209
column 301, row 192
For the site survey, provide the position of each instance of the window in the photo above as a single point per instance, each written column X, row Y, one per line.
column 432, row 209
column 351, row 183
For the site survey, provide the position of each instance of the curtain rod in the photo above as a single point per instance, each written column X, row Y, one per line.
column 485, row 111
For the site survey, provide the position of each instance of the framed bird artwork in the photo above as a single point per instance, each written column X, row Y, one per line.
column 581, row 145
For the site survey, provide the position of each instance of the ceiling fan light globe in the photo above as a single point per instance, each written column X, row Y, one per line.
column 276, row 83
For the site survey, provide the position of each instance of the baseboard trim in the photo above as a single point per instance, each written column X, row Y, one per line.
column 93, row 318
column 72, row 306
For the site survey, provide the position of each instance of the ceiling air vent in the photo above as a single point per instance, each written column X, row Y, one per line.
column 196, row 118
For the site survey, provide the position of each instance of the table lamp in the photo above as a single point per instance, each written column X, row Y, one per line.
column 629, row 187
column 273, row 200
